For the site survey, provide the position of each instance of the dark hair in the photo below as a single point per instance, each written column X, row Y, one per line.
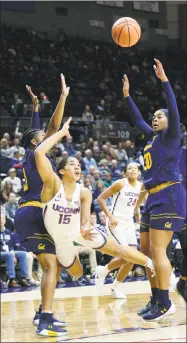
column 62, row 163
column 125, row 169
column 28, row 136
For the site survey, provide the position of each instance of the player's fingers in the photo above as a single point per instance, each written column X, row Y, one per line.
column 63, row 81
column 69, row 121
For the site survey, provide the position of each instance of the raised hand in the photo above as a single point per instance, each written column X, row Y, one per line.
column 65, row 128
column 34, row 98
column 125, row 86
column 64, row 88
column 159, row 70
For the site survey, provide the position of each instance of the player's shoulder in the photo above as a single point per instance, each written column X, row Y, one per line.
column 85, row 193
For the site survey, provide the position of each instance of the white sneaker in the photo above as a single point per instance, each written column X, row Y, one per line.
column 34, row 282
column 116, row 294
column 100, row 275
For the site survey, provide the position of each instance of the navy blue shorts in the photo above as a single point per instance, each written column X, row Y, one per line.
column 29, row 224
column 165, row 210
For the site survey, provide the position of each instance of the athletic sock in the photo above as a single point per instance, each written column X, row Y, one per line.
column 164, row 298
column 106, row 270
column 155, row 294
column 115, row 284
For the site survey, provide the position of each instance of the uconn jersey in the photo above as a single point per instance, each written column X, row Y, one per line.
column 123, row 209
column 63, row 216
column 62, row 221
column 124, row 202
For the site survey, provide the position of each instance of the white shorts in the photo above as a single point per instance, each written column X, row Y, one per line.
column 66, row 252
column 124, row 233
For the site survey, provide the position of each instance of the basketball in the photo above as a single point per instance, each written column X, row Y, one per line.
column 126, row 32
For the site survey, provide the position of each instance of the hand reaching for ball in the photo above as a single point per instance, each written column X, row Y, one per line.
column 125, row 86
column 159, row 70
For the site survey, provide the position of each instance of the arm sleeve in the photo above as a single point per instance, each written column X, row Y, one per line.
column 35, row 121
column 173, row 130
column 137, row 118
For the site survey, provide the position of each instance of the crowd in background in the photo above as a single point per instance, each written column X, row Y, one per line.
column 93, row 70
column 102, row 163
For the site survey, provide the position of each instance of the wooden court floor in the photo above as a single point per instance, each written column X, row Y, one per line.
column 92, row 316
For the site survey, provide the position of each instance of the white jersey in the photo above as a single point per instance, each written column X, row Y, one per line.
column 62, row 217
column 124, row 201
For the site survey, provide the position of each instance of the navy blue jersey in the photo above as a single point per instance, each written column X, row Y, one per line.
column 162, row 160
column 33, row 182
column 163, row 150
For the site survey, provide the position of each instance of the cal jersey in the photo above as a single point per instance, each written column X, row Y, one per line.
column 62, row 217
column 161, row 161
column 124, row 201
column 33, row 182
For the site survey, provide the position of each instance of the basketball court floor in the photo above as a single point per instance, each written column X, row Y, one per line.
column 92, row 316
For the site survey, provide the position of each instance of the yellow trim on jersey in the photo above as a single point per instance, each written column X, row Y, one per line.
column 42, row 238
column 161, row 217
column 164, row 214
column 32, row 203
column 143, row 224
column 161, row 186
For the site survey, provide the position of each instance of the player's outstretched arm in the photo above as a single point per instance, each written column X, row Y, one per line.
column 86, row 201
column 57, row 116
column 173, row 114
column 35, row 119
column 109, row 192
column 43, row 164
column 134, row 111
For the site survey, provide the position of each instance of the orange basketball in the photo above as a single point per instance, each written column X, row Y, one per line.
column 126, row 32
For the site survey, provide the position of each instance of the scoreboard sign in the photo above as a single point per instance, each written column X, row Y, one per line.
column 147, row 6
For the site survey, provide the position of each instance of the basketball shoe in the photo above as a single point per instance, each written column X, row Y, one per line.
column 47, row 328
column 158, row 312
column 56, row 322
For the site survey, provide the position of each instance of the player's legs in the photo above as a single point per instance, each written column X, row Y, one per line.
column 76, row 269
column 114, row 249
column 125, row 235
column 30, row 226
column 48, row 264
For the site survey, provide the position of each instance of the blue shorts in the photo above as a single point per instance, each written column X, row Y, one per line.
column 29, row 224
column 165, row 210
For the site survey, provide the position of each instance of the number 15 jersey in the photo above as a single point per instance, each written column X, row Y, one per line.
column 62, row 217
column 124, row 201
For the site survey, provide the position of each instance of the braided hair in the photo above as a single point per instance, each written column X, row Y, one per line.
column 28, row 136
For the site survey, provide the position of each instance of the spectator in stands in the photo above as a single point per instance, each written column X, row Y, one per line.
column 18, row 246
column 99, row 188
column 107, row 180
column 78, row 155
column 96, row 153
column 87, row 114
column 16, row 147
column 104, row 166
column 7, row 136
column 114, row 169
column 15, row 181
column 69, row 146
column 7, row 188
column 11, row 207
column 5, row 148
column 121, row 153
column 10, row 257
column 130, row 149
column 89, row 160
